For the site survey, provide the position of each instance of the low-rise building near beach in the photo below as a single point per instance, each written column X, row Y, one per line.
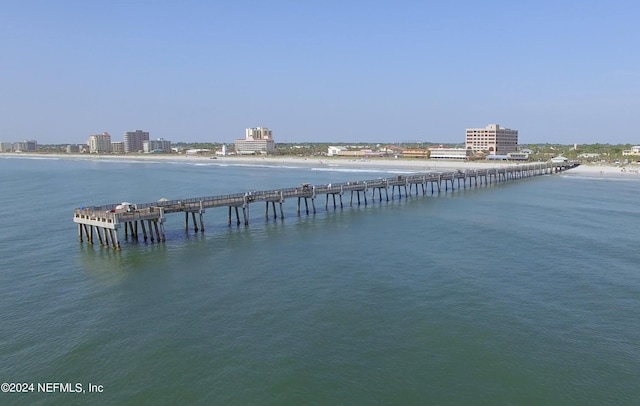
column 450, row 153
column 415, row 153
column 634, row 151
column 73, row 149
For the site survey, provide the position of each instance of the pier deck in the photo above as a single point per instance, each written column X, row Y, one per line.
column 108, row 220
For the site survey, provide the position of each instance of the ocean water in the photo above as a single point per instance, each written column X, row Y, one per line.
column 526, row 292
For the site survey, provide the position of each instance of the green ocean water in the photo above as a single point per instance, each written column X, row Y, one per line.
column 526, row 292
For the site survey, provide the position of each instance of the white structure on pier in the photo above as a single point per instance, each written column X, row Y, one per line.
column 257, row 140
column 493, row 139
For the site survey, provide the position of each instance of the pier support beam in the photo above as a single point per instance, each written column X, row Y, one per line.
column 151, row 236
column 116, row 240
column 105, row 234
column 90, row 234
column 144, row 230
column 245, row 214
column 195, row 224
column 237, row 215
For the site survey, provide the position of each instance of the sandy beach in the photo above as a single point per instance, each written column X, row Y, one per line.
column 417, row 165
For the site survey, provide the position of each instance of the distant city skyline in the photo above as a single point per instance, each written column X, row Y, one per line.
column 559, row 72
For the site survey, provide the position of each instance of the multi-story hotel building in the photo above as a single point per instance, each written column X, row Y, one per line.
column 26, row 146
column 117, row 147
column 134, row 140
column 493, row 139
column 257, row 140
column 6, row 147
column 99, row 143
column 159, row 145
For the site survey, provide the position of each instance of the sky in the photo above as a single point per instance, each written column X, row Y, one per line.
column 320, row 71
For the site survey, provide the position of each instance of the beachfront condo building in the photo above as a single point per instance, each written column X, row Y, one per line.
column 99, row 143
column 26, row 146
column 134, row 140
column 156, row 146
column 257, row 140
column 117, row 147
column 634, row 151
column 493, row 140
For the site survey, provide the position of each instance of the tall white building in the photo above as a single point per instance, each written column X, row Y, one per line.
column 493, row 139
column 99, row 143
column 134, row 140
column 257, row 140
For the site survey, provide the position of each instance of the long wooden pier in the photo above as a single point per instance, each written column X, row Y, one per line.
column 146, row 220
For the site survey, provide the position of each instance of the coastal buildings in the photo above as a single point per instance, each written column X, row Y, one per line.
column 222, row 151
column 634, row 151
column 492, row 139
column 6, row 147
column 155, row 146
column 72, row 149
column 450, row 153
column 99, row 143
column 353, row 151
column 134, row 140
column 117, row 147
column 25, row 146
column 415, row 153
column 257, row 140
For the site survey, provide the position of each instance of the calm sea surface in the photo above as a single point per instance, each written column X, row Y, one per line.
column 522, row 293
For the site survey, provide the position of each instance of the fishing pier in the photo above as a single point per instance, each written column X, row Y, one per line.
column 146, row 220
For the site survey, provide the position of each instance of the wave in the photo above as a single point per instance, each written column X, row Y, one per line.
column 32, row 157
column 120, row 161
column 608, row 178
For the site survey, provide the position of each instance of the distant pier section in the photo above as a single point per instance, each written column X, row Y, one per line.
column 104, row 224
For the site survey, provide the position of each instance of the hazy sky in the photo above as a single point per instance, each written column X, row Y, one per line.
column 326, row 71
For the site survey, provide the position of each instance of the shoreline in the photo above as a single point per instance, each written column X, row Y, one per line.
column 418, row 165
